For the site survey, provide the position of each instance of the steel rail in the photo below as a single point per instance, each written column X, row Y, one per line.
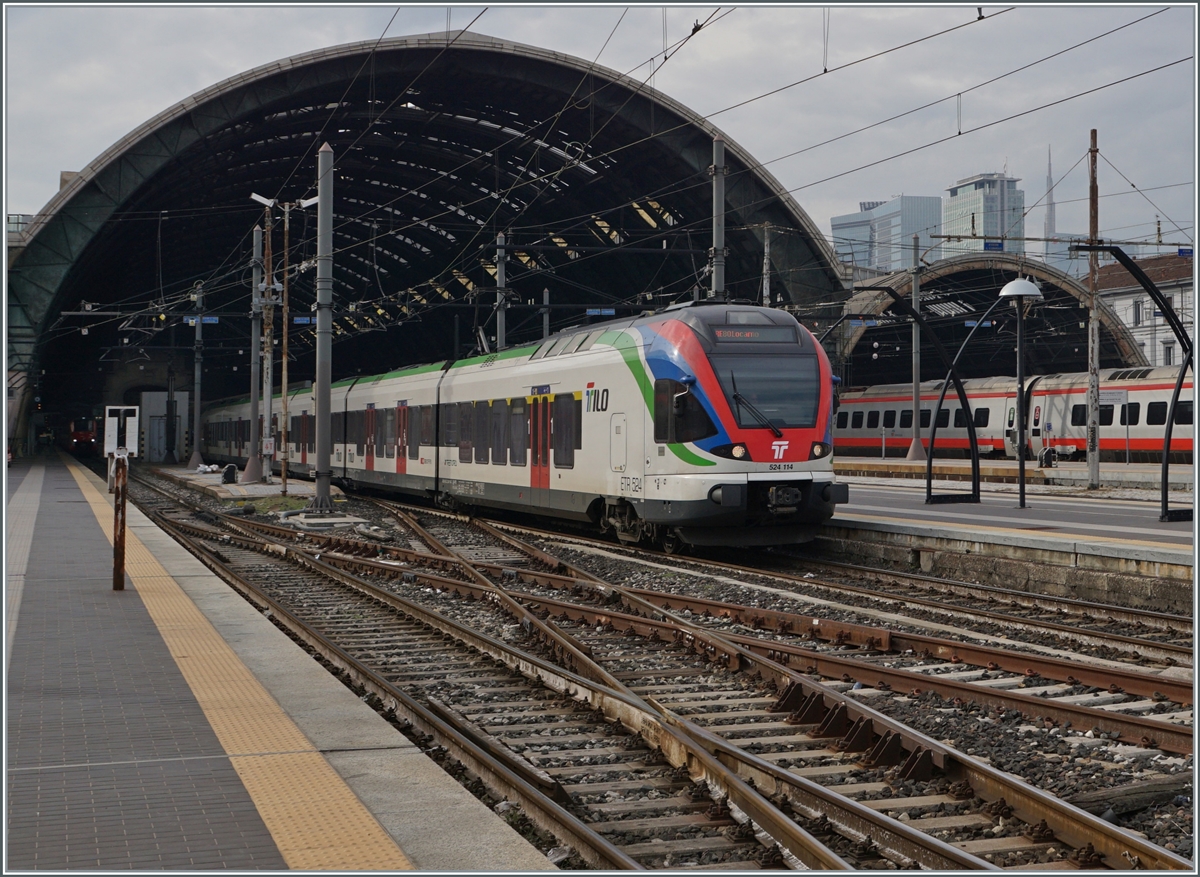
column 1166, row 652
column 884, row 640
column 617, row 705
column 868, row 730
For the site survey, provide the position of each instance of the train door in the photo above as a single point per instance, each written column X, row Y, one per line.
column 401, row 438
column 369, row 429
column 539, row 450
column 1039, row 413
column 617, row 448
column 1010, row 426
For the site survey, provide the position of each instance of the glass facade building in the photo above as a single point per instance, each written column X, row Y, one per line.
column 984, row 205
column 880, row 235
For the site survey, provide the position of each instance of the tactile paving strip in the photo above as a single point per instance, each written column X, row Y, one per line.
column 317, row 822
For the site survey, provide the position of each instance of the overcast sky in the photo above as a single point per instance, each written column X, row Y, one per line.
column 77, row 79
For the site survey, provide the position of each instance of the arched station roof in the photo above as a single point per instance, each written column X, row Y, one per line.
column 959, row 290
column 440, row 142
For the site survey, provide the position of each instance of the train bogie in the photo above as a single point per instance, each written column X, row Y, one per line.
column 706, row 425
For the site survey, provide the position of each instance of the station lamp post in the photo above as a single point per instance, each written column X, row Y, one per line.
column 1019, row 290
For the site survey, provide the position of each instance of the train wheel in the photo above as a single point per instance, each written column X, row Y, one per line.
column 671, row 543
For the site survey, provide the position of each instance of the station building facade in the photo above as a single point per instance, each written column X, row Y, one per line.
column 1173, row 275
column 879, row 236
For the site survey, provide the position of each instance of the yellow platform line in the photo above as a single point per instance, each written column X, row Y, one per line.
column 315, row 819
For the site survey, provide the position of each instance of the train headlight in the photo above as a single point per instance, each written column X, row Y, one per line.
column 819, row 450
column 733, row 452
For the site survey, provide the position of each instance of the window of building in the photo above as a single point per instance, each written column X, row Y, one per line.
column 1137, row 312
column 889, row 419
column 872, row 420
column 1168, row 354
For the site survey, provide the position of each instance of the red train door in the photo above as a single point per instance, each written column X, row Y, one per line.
column 369, row 429
column 539, row 450
column 401, row 438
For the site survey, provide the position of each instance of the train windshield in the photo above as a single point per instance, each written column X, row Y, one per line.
column 765, row 391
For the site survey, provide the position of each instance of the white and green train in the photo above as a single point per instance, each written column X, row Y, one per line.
column 700, row 424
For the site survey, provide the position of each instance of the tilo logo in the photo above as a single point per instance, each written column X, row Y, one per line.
column 779, row 448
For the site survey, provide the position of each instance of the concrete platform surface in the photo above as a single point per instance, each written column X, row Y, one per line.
column 222, row 749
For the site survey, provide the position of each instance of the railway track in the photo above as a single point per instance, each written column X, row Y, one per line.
column 826, row 770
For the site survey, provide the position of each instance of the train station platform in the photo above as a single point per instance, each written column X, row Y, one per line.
column 1131, row 476
column 171, row 726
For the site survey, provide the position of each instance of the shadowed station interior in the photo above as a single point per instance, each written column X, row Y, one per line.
column 600, row 183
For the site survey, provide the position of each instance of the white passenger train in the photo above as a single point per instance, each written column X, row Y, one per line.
column 704, row 424
column 877, row 421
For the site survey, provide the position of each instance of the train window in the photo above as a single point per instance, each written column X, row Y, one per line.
column 543, row 350
column 1078, row 415
column 480, row 431
column 1156, row 413
column 565, row 422
column 466, row 437
column 427, row 426
column 1106, row 415
column 889, row 419
column 856, row 421
column 943, row 418
column 1183, row 412
column 576, row 343
column 960, row 419
column 389, row 435
column 842, row 417
column 926, row 418
column 358, row 430
column 872, row 420
column 785, row 390
column 678, row 414
column 311, row 432
column 906, row 418
column 499, row 432
column 448, row 425
column 1134, row 409
column 518, row 431
column 592, row 338
column 981, row 416
column 337, row 428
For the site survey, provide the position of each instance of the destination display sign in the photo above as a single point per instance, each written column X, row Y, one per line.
column 755, row 333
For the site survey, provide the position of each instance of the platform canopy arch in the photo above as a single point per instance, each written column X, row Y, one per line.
column 875, row 347
column 442, row 140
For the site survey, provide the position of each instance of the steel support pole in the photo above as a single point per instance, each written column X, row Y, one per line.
column 322, row 502
column 268, row 371
column 766, row 289
column 283, row 455
column 916, row 450
column 253, row 470
column 171, row 436
column 718, row 171
column 197, row 458
column 1020, row 303
column 1093, row 338
column 500, row 292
